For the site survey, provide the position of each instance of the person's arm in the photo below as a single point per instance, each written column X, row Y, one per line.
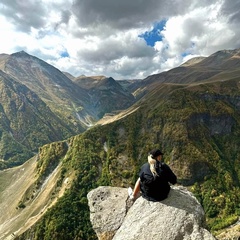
column 172, row 176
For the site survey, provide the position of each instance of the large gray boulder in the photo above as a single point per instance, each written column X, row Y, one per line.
column 108, row 208
column 179, row 217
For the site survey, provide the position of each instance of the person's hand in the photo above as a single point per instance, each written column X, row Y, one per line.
column 132, row 197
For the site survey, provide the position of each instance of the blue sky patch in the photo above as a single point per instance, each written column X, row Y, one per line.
column 154, row 35
column 64, row 54
column 188, row 51
column 184, row 54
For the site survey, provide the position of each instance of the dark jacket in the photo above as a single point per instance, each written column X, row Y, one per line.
column 156, row 188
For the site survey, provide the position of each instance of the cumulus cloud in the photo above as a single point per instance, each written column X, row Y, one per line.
column 121, row 15
column 24, row 14
column 106, row 37
column 115, row 47
column 231, row 9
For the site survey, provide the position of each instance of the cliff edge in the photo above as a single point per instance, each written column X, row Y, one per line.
column 114, row 216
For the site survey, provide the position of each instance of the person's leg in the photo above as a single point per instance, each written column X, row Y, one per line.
column 136, row 189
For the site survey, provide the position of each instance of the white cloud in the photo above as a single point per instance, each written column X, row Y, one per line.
column 201, row 31
column 102, row 37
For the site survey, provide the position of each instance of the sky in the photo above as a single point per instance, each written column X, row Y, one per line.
column 123, row 39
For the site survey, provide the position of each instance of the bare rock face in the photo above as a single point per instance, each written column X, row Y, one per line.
column 108, row 208
column 178, row 217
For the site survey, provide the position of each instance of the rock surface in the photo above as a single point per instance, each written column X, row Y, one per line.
column 179, row 217
column 108, row 208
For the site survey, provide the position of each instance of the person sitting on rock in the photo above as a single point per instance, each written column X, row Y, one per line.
column 154, row 178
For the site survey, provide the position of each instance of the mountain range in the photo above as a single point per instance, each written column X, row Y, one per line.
column 62, row 107
column 98, row 131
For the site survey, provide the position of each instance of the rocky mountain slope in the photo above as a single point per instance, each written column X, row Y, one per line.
column 107, row 95
column 26, row 123
column 71, row 101
column 196, row 124
column 221, row 65
column 63, row 96
column 59, row 109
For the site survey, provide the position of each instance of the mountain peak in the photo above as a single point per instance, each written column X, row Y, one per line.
column 20, row 54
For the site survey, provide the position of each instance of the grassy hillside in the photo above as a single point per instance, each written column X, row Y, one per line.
column 197, row 126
